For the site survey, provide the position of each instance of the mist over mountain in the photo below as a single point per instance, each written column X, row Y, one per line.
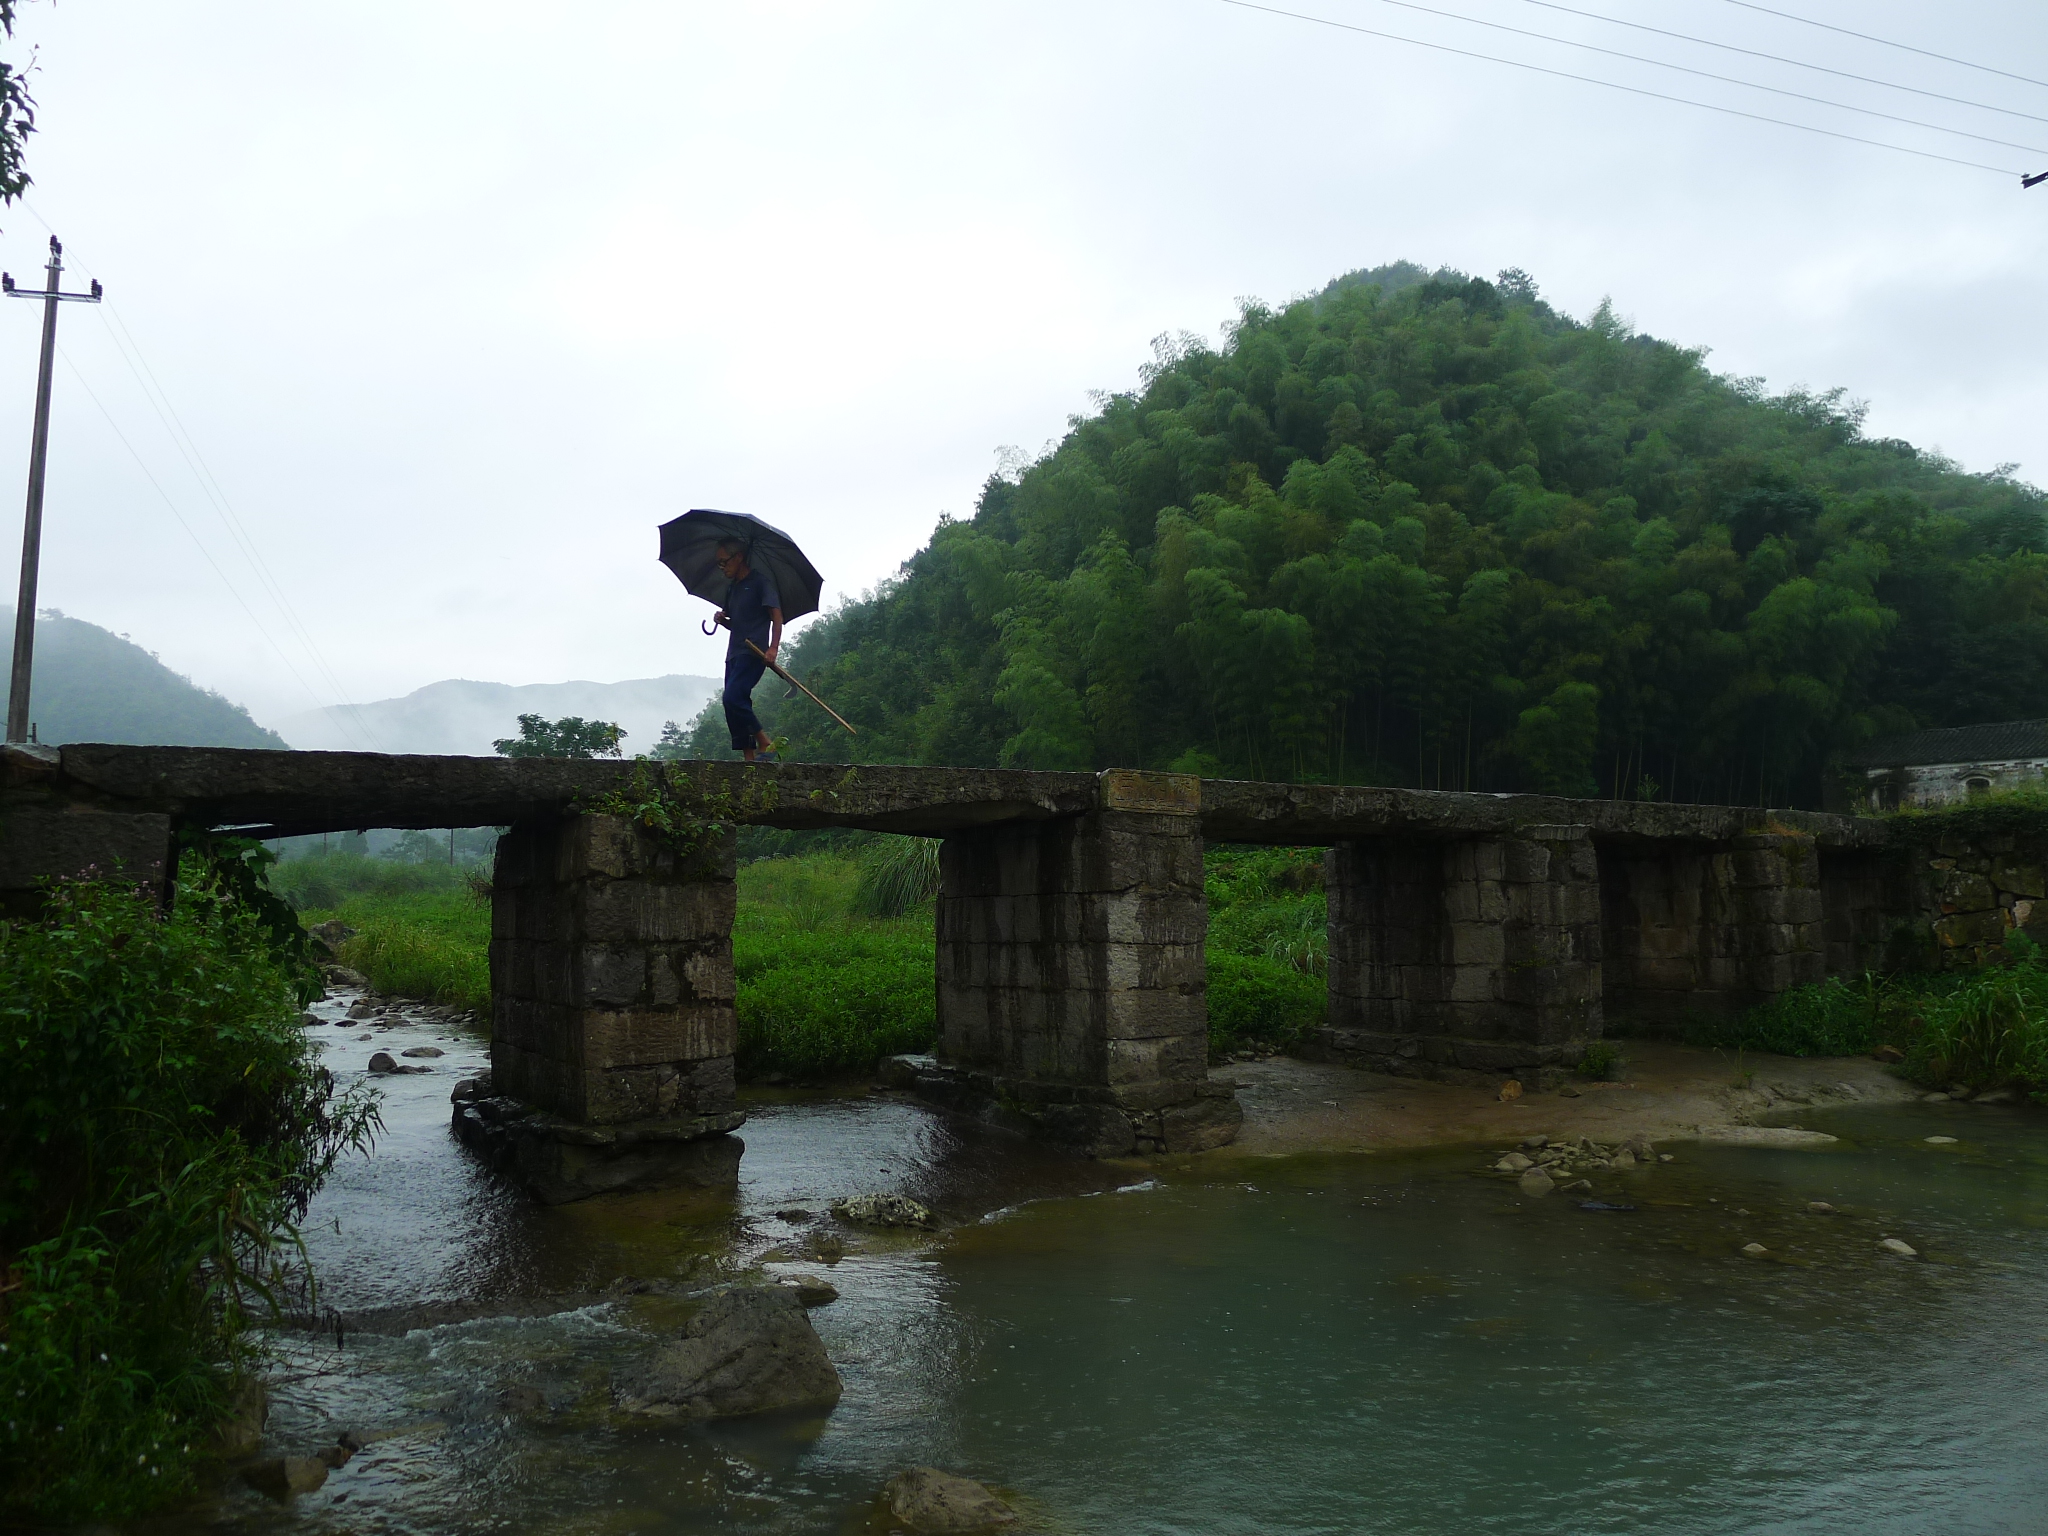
column 463, row 718
column 94, row 685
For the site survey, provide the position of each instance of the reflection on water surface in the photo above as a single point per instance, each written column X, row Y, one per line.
column 1369, row 1343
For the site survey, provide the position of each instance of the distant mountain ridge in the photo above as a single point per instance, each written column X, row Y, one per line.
column 462, row 718
column 94, row 685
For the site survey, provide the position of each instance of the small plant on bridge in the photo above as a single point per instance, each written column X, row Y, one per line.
column 678, row 810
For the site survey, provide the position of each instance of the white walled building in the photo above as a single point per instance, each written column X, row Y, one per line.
column 1953, row 763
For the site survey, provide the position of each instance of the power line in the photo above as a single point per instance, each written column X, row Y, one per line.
column 1778, row 58
column 1886, row 42
column 1633, row 90
column 1707, row 74
column 202, row 472
column 143, row 465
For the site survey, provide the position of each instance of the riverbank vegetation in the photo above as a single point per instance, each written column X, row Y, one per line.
column 1424, row 529
column 423, row 927
column 1987, row 1027
column 163, row 1123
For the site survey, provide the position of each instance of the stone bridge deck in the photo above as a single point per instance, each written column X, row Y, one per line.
column 1469, row 934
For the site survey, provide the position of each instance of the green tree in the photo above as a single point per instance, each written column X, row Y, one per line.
column 1507, row 550
column 570, row 736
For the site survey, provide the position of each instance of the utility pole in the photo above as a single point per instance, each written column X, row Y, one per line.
column 32, row 523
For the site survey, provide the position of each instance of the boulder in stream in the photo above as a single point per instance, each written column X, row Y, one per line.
column 283, row 1476
column 928, row 1502
column 751, row 1350
column 884, row 1211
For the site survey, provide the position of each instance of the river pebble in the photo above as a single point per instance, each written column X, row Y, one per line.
column 1903, row 1249
column 1941, row 1141
column 1755, row 1250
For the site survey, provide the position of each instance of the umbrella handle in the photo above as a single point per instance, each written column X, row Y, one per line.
column 708, row 627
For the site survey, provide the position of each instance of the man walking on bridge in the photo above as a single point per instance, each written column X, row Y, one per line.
column 752, row 611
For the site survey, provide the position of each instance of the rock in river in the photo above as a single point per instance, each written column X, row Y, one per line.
column 929, row 1502
column 1904, row 1250
column 1765, row 1136
column 751, row 1350
column 283, row 1476
column 1514, row 1162
column 884, row 1211
column 1535, row 1182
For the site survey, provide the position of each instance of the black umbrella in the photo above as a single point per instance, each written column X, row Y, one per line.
column 689, row 547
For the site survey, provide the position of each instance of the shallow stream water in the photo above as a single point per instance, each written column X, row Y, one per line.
column 1359, row 1343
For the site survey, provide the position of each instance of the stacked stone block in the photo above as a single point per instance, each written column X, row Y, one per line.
column 611, row 974
column 1972, row 893
column 1472, row 955
column 1763, row 934
column 1071, row 973
column 1696, row 929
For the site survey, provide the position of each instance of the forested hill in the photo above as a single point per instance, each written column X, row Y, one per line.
column 93, row 685
column 1425, row 530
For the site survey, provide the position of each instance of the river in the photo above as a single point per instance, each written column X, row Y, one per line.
column 1366, row 1342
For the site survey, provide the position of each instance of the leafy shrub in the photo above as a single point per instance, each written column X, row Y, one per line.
column 1835, row 1017
column 824, row 992
column 1253, row 1000
column 163, row 1125
column 1602, row 1062
column 836, row 1008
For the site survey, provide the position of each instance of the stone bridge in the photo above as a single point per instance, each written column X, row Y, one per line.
column 1469, row 934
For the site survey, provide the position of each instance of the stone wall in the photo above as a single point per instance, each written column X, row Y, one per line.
column 1694, row 930
column 1469, row 955
column 1965, row 894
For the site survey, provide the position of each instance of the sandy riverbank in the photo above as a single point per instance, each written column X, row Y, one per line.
column 1667, row 1092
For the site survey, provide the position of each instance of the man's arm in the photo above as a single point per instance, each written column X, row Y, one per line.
column 774, row 632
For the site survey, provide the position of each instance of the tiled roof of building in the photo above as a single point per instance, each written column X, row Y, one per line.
column 1955, row 744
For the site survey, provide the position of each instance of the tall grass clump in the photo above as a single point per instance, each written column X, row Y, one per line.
column 1268, row 946
column 897, row 876
column 1989, row 1027
column 163, row 1124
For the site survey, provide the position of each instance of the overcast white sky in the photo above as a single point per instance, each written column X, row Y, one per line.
column 458, row 301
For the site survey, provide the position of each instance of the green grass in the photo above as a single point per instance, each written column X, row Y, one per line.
column 1268, row 947
column 825, row 992
column 163, row 1123
column 431, row 943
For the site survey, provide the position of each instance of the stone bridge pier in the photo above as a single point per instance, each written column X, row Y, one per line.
column 1072, row 975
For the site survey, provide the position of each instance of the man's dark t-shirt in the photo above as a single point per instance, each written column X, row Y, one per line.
column 747, row 602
